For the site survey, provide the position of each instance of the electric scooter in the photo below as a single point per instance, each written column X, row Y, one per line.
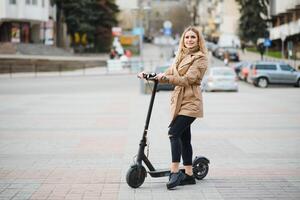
column 137, row 173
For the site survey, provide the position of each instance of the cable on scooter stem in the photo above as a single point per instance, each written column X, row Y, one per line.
column 148, row 146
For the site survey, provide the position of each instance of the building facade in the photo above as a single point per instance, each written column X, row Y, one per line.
column 128, row 12
column 285, row 25
column 150, row 14
column 218, row 17
column 215, row 17
column 27, row 21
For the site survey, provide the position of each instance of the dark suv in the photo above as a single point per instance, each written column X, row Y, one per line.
column 264, row 73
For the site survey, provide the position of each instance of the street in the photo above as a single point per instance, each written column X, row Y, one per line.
column 75, row 138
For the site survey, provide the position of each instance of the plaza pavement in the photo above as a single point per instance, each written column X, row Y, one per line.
column 74, row 137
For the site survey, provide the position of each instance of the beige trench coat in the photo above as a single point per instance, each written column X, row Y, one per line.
column 186, row 99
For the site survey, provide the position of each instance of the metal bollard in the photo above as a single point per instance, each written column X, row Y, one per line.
column 10, row 70
column 84, row 70
column 59, row 69
column 35, row 70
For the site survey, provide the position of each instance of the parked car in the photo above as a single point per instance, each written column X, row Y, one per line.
column 163, row 86
column 229, row 40
column 220, row 79
column 218, row 52
column 233, row 54
column 211, row 46
column 264, row 73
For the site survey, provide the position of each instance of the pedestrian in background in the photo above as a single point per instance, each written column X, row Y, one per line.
column 186, row 74
column 113, row 53
column 243, row 46
column 226, row 57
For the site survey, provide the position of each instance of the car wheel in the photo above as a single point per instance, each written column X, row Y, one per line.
column 262, row 82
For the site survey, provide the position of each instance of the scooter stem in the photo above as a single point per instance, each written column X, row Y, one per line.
column 143, row 143
column 150, row 109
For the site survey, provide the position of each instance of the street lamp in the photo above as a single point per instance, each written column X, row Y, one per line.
column 282, row 37
column 140, row 12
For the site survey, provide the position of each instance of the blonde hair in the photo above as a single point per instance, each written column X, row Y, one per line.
column 201, row 43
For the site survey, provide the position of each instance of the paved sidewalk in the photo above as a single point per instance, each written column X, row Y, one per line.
column 75, row 138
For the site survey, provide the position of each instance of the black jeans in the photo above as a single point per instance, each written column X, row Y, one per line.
column 180, row 139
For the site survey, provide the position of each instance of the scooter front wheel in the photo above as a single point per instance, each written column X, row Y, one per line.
column 200, row 167
column 136, row 175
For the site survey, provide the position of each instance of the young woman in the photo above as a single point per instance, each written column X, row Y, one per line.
column 186, row 102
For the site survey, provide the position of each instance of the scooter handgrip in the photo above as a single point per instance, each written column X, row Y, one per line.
column 149, row 76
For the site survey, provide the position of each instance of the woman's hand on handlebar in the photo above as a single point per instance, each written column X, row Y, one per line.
column 147, row 76
column 141, row 75
column 159, row 76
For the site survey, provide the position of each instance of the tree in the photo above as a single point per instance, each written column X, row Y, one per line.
column 180, row 18
column 59, row 21
column 105, row 21
column 253, row 20
column 91, row 19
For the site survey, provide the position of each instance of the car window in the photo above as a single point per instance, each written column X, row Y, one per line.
column 286, row 68
column 249, row 65
column 231, row 50
column 265, row 67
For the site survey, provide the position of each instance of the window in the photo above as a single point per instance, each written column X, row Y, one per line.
column 286, row 68
column 12, row 1
column 33, row 2
column 265, row 67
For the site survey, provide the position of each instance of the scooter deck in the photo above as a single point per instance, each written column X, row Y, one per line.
column 161, row 173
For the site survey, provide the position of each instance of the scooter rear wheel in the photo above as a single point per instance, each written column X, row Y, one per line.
column 200, row 168
column 136, row 175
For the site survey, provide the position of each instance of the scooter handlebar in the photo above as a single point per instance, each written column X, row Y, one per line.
column 149, row 76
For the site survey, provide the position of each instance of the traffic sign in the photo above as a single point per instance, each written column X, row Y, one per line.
column 116, row 31
column 167, row 24
column 167, row 31
column 138, row 31
column 267, row 42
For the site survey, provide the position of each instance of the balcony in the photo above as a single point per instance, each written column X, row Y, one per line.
column 286, row 30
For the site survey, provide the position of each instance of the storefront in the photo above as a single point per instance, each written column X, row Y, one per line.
column 16, row 32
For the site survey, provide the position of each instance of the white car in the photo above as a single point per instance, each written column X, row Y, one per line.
column 220, row 79
column 229, row 40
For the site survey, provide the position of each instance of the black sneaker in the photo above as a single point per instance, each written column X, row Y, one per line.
column 175, row 179
column 188, row 180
